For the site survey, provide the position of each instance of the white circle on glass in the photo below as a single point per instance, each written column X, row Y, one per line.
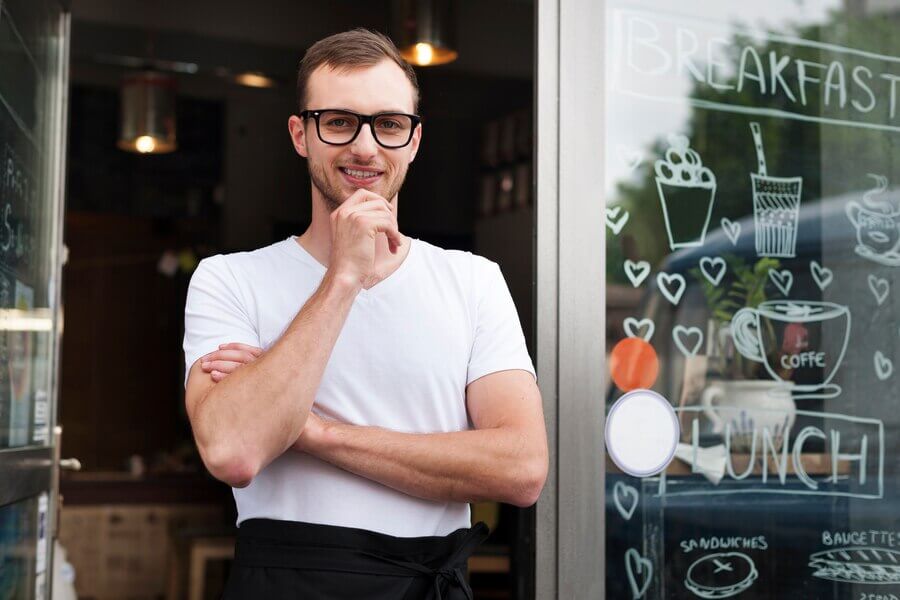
column 642, row 433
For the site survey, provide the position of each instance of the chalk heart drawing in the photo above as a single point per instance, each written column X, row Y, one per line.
column 776, row 206
column 631, row 158
column 688, row 339
column 721, row 575
column 616, row 217
column 880, row 288
column 857, row 565
column 783, row 280
column 713, row 268
column 671, row 286
column 884, row 368
column 634, row 327
column 636, row 565
column 823, row 276
column 637, row 271
column 732, row 230
column 625, row 497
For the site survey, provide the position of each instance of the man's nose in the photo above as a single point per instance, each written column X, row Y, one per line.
column 365, row 145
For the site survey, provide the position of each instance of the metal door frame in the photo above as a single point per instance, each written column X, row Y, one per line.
column 571, row 294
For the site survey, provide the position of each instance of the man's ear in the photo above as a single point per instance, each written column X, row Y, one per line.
column 297, row 130
column 416, row 140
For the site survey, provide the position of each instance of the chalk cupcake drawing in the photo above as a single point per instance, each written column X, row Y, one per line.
column 687, row 191
column 721, row 575
column 776, row 206
column 877, row 223
column 857, row 565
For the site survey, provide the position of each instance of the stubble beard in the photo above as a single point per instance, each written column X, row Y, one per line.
column 334, row 196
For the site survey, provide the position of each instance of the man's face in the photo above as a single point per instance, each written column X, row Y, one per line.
column 382, row 88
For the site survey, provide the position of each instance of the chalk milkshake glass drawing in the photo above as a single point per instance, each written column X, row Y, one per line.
column 776, row 206
column 687, row 191
column 877, row 223
column 798, row 341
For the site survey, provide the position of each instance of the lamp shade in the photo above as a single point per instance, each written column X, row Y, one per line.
column 147, row 113
column 425, row 31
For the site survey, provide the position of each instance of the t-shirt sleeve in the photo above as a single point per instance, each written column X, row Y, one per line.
column 213, row 312
column 499, row 343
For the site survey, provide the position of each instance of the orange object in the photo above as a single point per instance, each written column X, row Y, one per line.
column 633, row 365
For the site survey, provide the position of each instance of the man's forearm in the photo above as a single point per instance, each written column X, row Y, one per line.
column 464, row 466
column 253, row 416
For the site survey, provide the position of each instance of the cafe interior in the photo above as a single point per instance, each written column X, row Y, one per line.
column 211, row 171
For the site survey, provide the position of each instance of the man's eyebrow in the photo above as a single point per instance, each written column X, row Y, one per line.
column 386, row 110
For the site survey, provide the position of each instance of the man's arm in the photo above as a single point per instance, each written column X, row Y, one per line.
column 504, row 458
column 244, row 422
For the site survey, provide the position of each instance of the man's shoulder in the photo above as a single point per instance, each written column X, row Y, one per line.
column 243, row 259
column 457, row 260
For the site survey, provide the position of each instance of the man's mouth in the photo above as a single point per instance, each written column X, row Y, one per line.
column 360, row 176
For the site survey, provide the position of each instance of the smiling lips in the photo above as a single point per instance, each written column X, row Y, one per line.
column 360, row 176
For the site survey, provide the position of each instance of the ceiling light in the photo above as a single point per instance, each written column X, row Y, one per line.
column 255, row 79
column 425, row 31
column 147, row 113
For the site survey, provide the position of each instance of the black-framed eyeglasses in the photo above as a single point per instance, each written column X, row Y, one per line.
column 340, row 127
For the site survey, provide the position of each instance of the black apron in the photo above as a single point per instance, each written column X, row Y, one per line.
column 281, row 560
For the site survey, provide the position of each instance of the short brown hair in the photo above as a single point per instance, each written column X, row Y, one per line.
column 354, row 49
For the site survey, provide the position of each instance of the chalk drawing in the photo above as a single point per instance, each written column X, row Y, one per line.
column 721, row 575
column 635, row 565
column 687, row 191
column 625, row 498
column 630, row 158
column 634, row 326
column 616, row 217
column 776, row 206
column 884, row 367
column 713, row 268
column 688, row 340
column 796, row 348
column 671, row 286
column 637, row 271
column 880, row 288
column 877, row 223
column 783, row 280
column 863, row 564
column 732, row 230
column 823, row 276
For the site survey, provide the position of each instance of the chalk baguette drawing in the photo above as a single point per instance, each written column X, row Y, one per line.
column 635, row 565
column 783, row 280
column 810, row 324
column 671, row 286
column 877, row 224
column 616, row 217
column 633, row 328
column 880, row 288
column 637, row 271
column 732, row 230
column 884, row 367
column 625, row 498
column 713, row 268
column 687, row 191
column 776, row 206
column 688, row 339
column 721, row 575
column 823, row 276
column 859, row 441
column 862, row 564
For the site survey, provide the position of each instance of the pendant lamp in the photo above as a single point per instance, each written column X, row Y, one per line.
column 425, row 31
column 147, row 117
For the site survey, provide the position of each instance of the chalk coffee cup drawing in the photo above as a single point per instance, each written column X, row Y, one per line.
column 798, row 341
column 746, row 408
column 878, row 233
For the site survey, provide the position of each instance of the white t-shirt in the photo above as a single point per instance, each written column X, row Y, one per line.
column 408, row 349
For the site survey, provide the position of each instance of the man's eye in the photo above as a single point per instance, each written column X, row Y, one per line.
column 389, row 124
column 338, row 123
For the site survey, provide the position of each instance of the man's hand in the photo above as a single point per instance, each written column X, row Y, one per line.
column 355, row 227
column 227, row 359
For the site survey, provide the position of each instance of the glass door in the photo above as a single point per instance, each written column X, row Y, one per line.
column 33, row 79
column 752, row 278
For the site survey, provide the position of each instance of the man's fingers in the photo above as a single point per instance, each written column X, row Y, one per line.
column 243, row 356
column 225, row 366
column 238, row 346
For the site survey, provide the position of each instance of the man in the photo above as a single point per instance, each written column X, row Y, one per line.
column 345, row 427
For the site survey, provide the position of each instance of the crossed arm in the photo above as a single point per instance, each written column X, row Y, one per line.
column 503, row 458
